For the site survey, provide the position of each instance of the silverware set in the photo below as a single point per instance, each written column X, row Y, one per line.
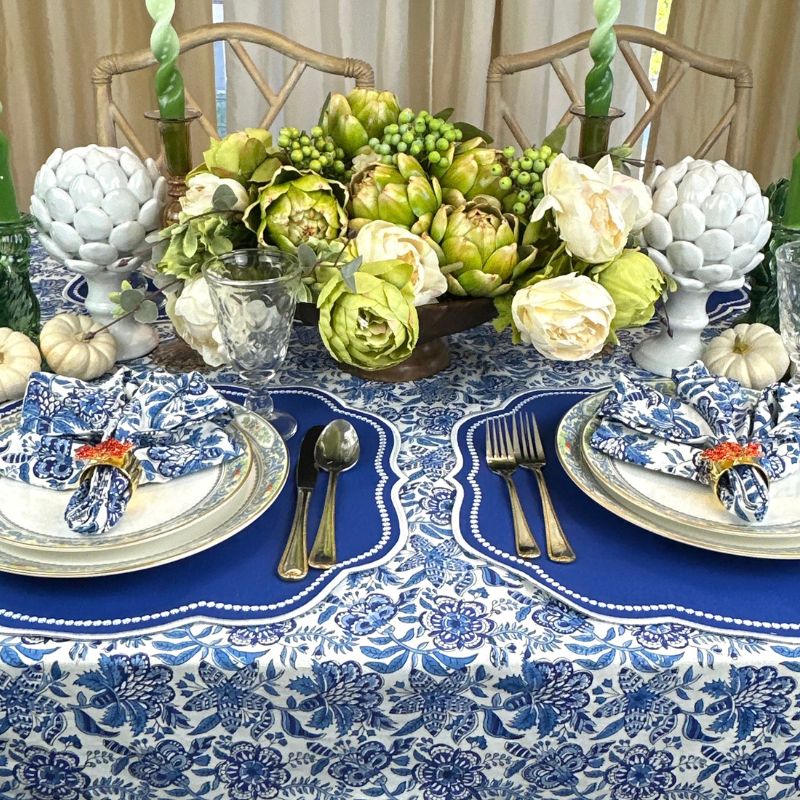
column 520, row 445
column 334, row 449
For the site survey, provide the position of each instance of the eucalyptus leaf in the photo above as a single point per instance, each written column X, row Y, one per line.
column 224, row 198
column 307, row 257
column 114, row 297
column 323, row 110
column 131, row 299
column 349, row 272
column 190, row 242
column 471, row 131
column 147, row 312
column 556, row 138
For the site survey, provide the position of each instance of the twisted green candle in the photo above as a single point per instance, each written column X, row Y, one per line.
column 602, row 48
column 8, row 198
column 791, row 214
column 166, row 47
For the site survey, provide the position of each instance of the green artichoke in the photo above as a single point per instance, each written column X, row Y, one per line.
column 403, row 195
column 199, row 241
column 296, row 207
column 478, row 248
column 244, row 156
column 635, row 283
column 475, row 170
column 353, row 120
column 373, row 323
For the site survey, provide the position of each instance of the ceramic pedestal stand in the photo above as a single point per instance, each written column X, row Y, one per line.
column 680, row 345
column 134, row 339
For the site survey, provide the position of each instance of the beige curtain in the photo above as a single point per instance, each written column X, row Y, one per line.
column 432, row 53
column 49, row 49
column 762, row 33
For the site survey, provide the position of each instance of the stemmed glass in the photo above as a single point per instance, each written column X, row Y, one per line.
column 254, row 292
column 788, row 258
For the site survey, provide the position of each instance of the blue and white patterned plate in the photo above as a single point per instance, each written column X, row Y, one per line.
column 657, row 498
column 263, row 482
column 33, row 516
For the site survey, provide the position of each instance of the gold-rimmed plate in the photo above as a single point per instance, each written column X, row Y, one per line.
column 269, row 468
column 686, row 502
column 33, row 516
column 570, row 448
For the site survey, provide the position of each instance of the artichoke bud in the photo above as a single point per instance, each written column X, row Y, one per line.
column 374, row 110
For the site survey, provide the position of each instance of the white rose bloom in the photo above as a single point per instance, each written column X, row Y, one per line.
column 595, row 209
column 381, row 241
column 567, row 318
column 200, row 194
column 195, row 320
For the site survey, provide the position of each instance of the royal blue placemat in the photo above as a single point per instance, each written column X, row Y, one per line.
column 236, row 581
column 622, row 573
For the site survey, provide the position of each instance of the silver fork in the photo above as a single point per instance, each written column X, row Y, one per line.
column 530, row 455
column 500, row 460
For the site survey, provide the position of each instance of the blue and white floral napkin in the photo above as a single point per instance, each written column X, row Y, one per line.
column 669, row 434
column 176, row 424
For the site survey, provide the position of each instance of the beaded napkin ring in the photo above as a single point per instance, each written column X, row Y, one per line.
column 727, row 455
column 111, row 453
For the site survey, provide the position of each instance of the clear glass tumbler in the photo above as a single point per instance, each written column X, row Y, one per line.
column 788, row 260
column 254, row 293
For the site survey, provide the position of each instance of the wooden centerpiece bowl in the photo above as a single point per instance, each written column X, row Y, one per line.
column 436, row 322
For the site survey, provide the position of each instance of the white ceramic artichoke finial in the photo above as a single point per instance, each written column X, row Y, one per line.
column 94, row 207
column 710, row 222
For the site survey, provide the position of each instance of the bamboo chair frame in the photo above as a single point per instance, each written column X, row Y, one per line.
column 734, row 118
column 109, row 116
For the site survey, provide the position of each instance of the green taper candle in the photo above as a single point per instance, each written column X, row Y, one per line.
column 602, row 48
column 791, row 213
column 166, row 47
column 8, row 198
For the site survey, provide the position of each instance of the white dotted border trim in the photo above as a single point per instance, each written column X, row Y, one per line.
column 332, row 576
column 543, row 578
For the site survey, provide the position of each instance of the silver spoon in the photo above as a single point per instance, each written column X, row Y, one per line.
column 337, row 450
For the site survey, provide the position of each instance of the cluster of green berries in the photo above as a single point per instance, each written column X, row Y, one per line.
column 315, row 151
column 524, row 176
column 421, row 135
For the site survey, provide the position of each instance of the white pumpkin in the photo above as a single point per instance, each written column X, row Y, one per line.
column 68, row 352
column 19, row 356
column 752, row 354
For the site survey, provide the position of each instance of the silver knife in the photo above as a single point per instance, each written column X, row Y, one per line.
column 293, row 565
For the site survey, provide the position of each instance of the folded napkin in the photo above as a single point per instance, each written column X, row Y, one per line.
column 172, row 425
column 713, row 431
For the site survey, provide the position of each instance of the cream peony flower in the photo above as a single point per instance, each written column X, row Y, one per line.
column 200, row 194
column 382, row 241
column 195, row 320
column 595, row 209
column 567, row 318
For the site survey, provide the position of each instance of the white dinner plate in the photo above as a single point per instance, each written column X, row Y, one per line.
column 33, row 516
column 569, row 444
column 680, row 500
column 269, row 468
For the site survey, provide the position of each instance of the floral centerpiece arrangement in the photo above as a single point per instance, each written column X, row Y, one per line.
column 390, row 209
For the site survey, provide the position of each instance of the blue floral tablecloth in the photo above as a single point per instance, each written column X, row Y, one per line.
column 438, row 676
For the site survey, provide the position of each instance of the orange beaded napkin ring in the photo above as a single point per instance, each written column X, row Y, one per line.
column 111, row 453
column 727, row 455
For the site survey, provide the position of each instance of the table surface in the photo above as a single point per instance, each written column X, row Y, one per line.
column 436, row 676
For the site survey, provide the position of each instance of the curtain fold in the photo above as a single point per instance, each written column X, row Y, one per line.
column 763, row 34
column 431, row 53
column 50, row 47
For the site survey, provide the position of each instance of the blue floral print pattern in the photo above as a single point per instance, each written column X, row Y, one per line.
column 175, row 424
column 356, row 698
column 642, row 425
